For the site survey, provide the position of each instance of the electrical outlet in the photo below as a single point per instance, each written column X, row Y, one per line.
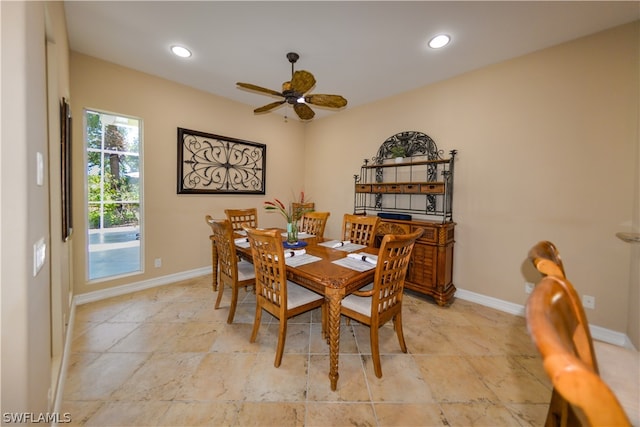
column 158, row 262
column 589, row 301
column 528, row 287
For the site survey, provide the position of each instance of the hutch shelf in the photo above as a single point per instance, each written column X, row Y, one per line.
column 420, row 183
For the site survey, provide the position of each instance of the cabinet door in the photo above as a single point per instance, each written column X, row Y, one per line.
column 422, row 266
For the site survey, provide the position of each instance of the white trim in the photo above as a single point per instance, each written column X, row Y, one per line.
column 139, row 286
column 597, row 332
column 62, row 375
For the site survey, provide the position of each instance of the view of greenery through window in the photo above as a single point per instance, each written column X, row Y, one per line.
column 113, row 186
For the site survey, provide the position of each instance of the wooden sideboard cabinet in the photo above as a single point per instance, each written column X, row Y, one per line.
column 431, row 266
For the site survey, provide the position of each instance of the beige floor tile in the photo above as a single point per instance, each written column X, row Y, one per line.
column 159, row 378
column 266, row 383
column 529, row 414
column 478, row 415
column 509, row 380
column 352, row 384
column 219, row 377
column 129, row 414
column 400, row 373
column 103, row 336
column 453, row 379
column 97, row 378
column 271, row 414
column 409, row 414
column 200, row 414
column 322, row 414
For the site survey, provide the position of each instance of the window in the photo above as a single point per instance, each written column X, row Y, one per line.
column 114, row 194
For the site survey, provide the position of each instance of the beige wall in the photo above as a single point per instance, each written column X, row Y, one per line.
column 548, row 147
column 174, row 227
column 29, row 117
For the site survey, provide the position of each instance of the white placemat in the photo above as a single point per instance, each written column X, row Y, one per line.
column 298, row 260
column 342, row 246
column 354, row 264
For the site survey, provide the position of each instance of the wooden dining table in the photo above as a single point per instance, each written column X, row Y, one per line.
column 331, row 280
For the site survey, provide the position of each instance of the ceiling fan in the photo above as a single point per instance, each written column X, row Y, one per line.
column 295, row 91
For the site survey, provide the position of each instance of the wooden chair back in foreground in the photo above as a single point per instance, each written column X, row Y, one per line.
column 274, row 293
column 233, row 273
column 375, row 306
column 239, row 216
column 561, row 334
column 314, row 223
column 546, row 259
column 214, row 254
column 299, row 209
column 360, row 229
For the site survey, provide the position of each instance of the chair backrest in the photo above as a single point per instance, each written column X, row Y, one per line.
column 314, row 223
column 270, row 268
column 239, row 216
column 299, row 209
column 561, row 334
column 546, row 259
column 391, row 269
column 222, row 235
column 360, row 229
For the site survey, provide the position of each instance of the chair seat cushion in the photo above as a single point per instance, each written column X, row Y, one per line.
column 358, row 304
column 298, row 295
column 246, row 270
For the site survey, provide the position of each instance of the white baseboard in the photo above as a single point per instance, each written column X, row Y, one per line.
column 139, row 286
column 597, row 332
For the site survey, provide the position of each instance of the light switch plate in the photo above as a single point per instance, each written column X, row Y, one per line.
column 39, row 169
column 39, row 255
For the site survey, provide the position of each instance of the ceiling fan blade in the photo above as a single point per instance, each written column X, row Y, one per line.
column 331, row 101
column 303, row 111
column 268, row 107
column 302, row 81
column 259, row 89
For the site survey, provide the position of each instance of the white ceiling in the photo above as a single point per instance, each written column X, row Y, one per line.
column 362, row 50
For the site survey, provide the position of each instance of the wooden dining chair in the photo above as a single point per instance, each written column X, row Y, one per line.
column 274, row 293
column 214, row 255
column 299, row 209
column 561, row 333
column 239, row 216
column 546, row 259
column 314, row 223
column 360, row 229
column 383, row 302
column 234, row 273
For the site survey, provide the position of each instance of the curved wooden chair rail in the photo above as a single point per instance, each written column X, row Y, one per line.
column 546, row 259
column 560, row 331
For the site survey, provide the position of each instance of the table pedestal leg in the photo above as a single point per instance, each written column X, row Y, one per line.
column 334, row 298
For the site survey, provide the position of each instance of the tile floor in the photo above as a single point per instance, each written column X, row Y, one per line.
column 164, row 356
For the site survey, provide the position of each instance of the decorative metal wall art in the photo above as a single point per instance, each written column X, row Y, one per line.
column 65, row 168
column 214, row 164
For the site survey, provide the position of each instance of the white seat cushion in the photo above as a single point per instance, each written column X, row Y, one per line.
column 361, row 305
column 246, row 270
column 298, row 295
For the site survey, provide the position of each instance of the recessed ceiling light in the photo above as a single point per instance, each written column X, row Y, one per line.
column 180, row 51
column 441, row 40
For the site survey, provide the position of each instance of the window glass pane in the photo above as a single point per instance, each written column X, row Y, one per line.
column 114, row 194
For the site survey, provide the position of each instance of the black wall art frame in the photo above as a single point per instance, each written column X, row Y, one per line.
column 214, row 164
column 65, row 168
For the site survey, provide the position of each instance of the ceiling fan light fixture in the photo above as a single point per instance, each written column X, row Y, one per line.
column 180, row 51
column 301, row 100
column 439, row 41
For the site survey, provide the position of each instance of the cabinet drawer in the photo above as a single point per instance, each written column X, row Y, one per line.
column 363, row 188
column 411, row 188
column 394, row 188
column 435, row 188
column 430, row 235
column 378, row 188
